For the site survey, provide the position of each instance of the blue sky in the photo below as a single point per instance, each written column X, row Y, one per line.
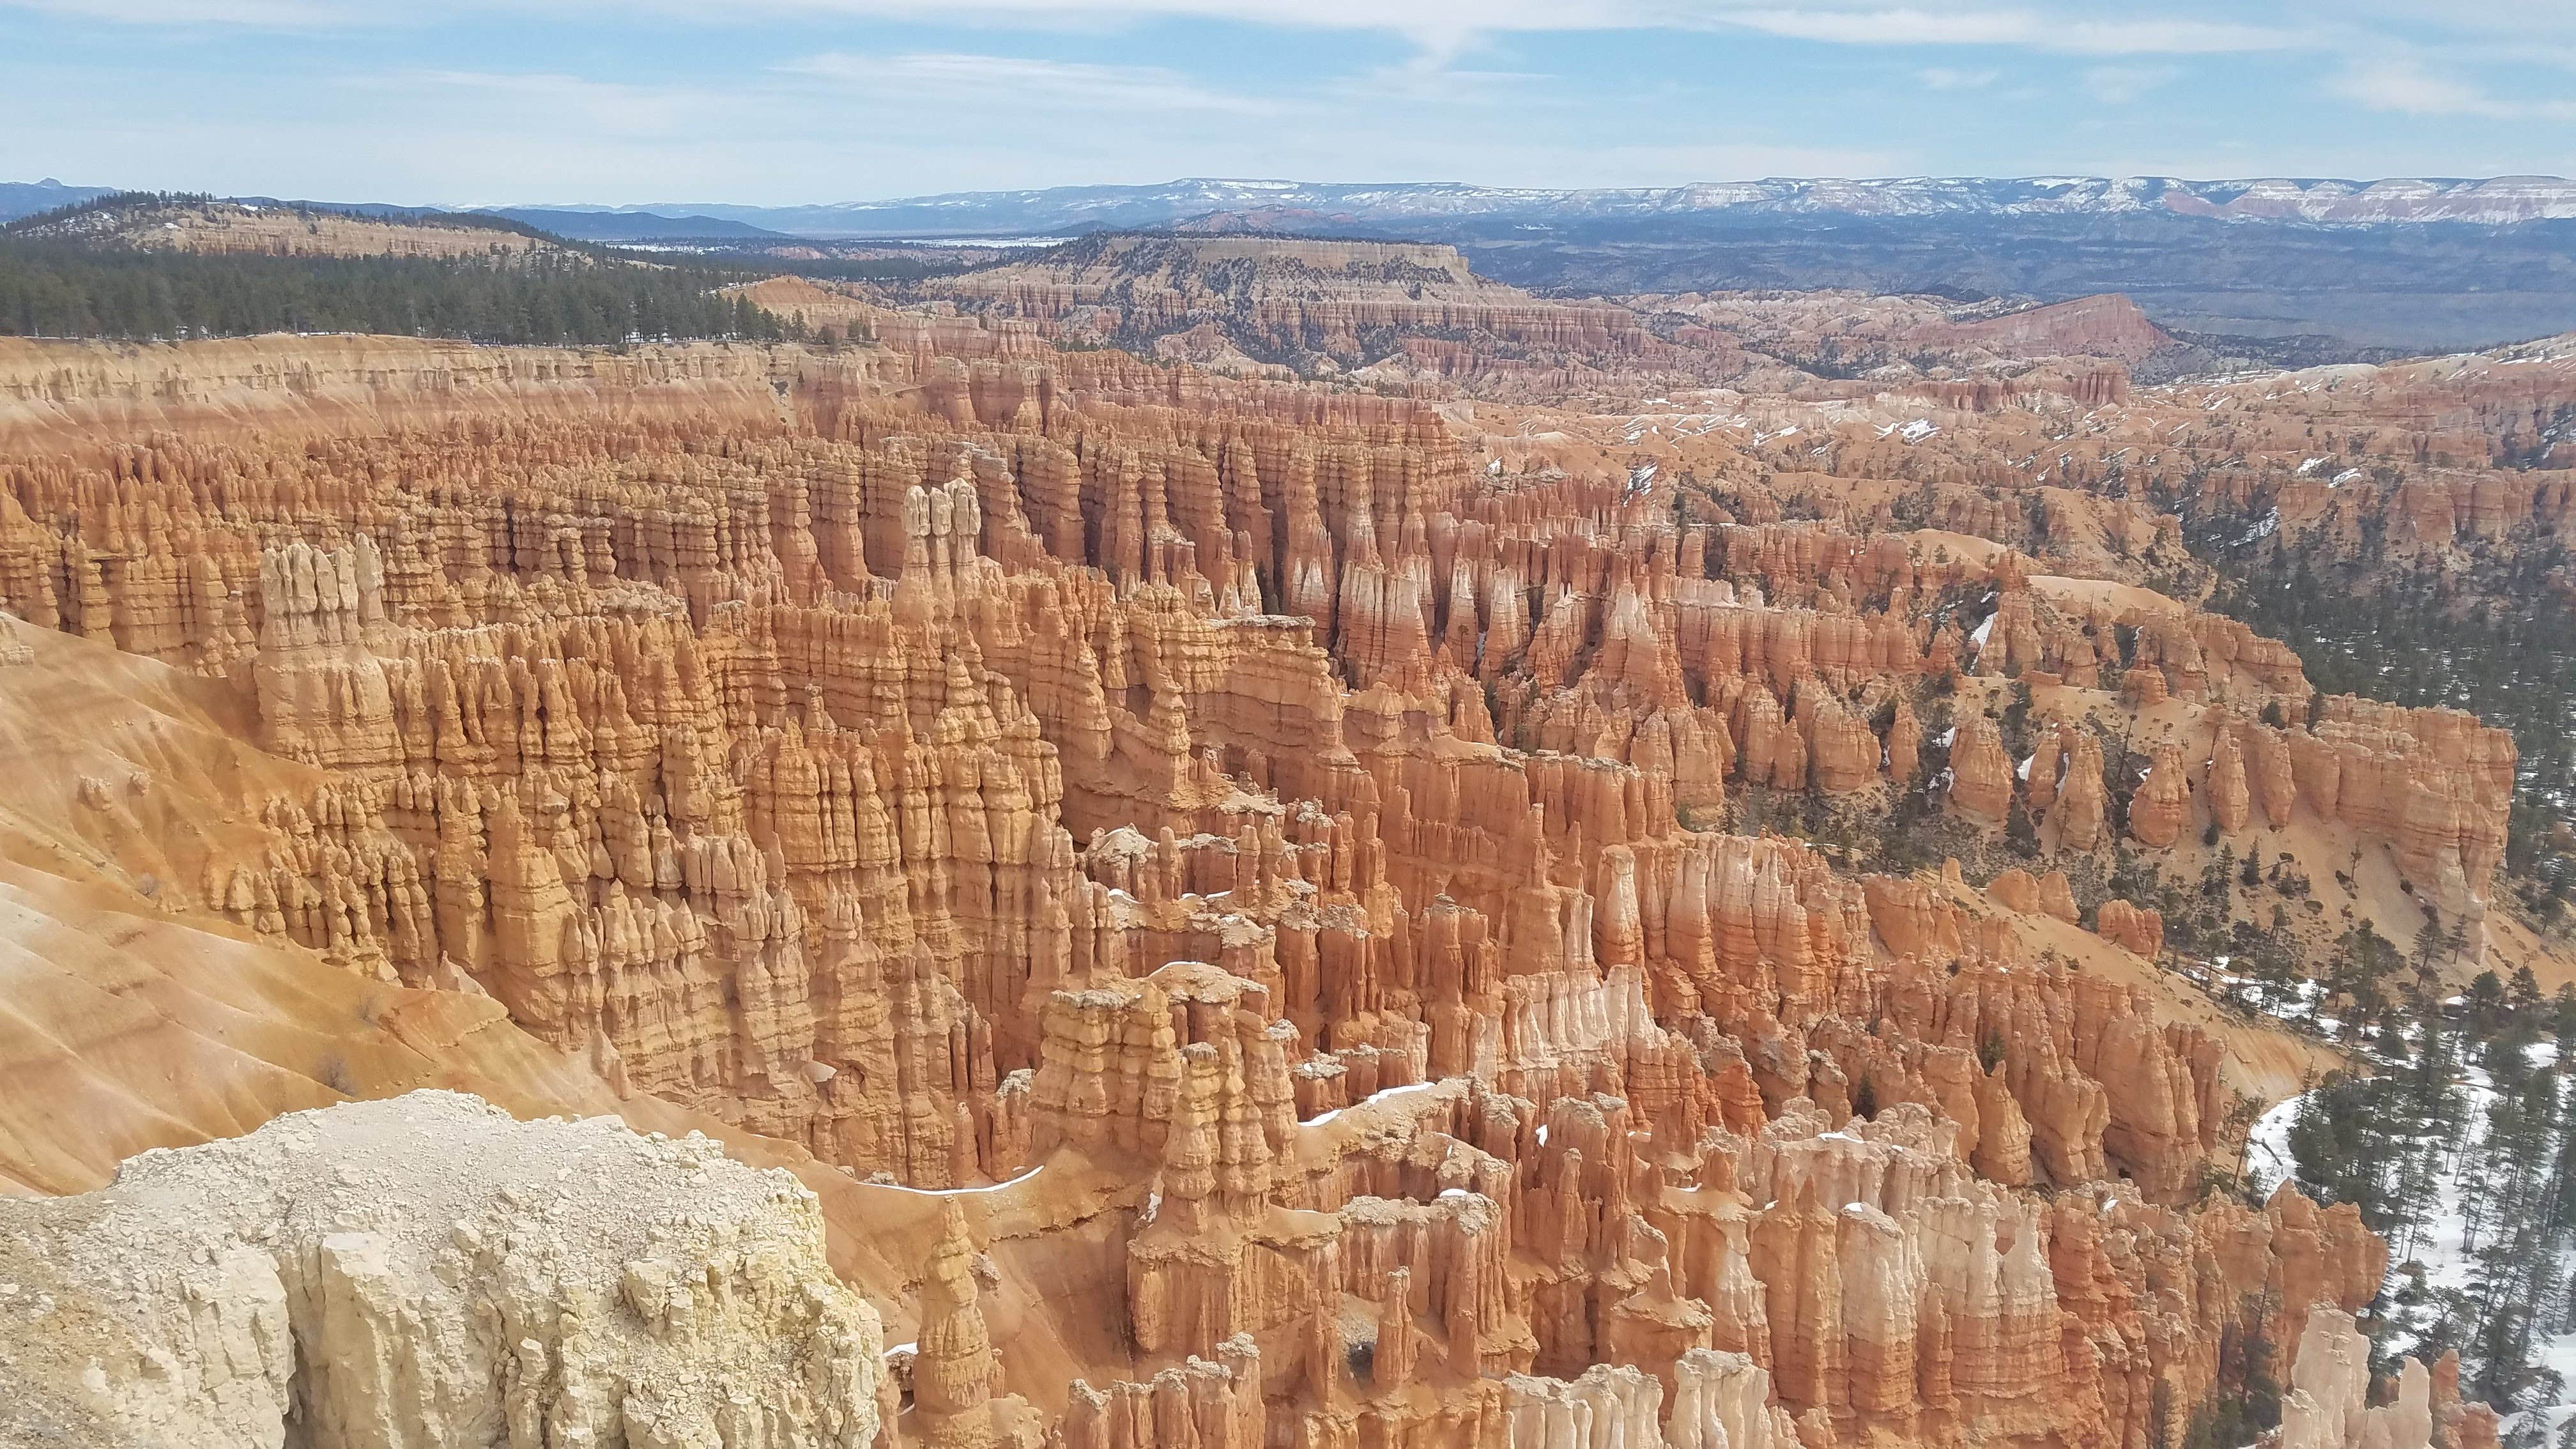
column 782, row 101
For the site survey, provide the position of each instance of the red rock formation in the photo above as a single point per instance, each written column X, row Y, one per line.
column 2161, row 809
column 2076, row 817
column 2231, row 801
column 2136, row 927
column 952, row 1370
column 1328, row 307
column 2105, row 326
column 1252, row 845
column 2328, row 1404
column 1981, row 775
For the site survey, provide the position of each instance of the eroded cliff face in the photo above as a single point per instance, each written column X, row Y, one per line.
column 1216, row 851
column 1412, row 317
column 1402, row 315
column 427, row 1271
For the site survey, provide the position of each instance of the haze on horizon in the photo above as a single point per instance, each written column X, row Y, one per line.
column 798, row 101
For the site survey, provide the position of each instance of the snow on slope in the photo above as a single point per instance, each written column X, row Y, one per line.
column 2441, row 1244
column 2492, row 201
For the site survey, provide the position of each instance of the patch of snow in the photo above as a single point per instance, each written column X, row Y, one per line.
column 953, row 1191
column 2268, row 1162
column 2270, row 524
column 1386, row 1095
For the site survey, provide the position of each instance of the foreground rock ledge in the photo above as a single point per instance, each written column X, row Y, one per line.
column 427, row 1270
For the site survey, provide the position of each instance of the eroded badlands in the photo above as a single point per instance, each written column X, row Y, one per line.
column 1247, row 905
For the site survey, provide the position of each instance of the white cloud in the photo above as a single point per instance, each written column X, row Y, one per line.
column 1403, row 16
column 1387, row 88
column 991, row 79
column 1442, row 28
column 2119, row 85
column 559, row 103
column 2073, row 27
column 2026, row 29
column 265, row 14
column 2402, row 84
column 2082, row 27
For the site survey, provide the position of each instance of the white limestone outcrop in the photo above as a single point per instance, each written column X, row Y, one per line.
column 428, row 1271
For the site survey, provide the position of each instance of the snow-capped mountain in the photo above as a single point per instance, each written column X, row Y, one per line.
column 2496, row 201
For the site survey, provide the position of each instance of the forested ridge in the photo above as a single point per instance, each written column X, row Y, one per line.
column 56, row 284
column 2454, row 1131
column 53, row 289
column 2488, row 634
column 2459, row 1147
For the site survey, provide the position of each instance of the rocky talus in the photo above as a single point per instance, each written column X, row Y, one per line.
column 426, row 1271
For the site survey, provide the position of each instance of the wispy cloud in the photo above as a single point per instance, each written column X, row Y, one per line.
column 1444, row 28
column 554, row 100
column 1429, row 79
column 991, row 79
column 2075, row 27
column 2080, row 27
column 260, row 14
column 2025, row 29
column 794, row 99
column 2119, row 85
column 1460, row 16
column 2405, row 85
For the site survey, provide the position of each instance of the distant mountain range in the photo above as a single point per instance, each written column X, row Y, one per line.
column 636, row 226
column 20, row 199
column 2421, row 264
column 1063, row 210
column 26, row 198
column 2431, row 264
column 2498, row 201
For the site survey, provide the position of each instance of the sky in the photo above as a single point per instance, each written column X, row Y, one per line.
column 774, row 102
